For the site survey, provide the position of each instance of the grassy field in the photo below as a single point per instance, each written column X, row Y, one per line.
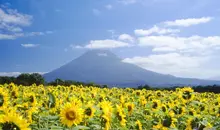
column 86, row 107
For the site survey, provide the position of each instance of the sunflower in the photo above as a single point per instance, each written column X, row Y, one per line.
column 71, row 115
column 143, row 101
column 164, row 108
column 130, row 107
column 122, row 99
column 167, row 122
column 192, row 123
column 186, row 94
column 195, row 123
column 12, row 121
column 155, row 104
column 3, row 99
column 192, row 112
column 89, row 111
column 138, row 125
column 156, row 122
column 106, row 107
column 120, row 115
column 179, row 110
column 14, row 93
column 106, row 121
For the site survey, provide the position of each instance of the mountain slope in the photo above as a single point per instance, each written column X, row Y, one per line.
column 104, row 67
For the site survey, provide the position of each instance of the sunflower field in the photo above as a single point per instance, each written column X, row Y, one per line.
column 86, row 107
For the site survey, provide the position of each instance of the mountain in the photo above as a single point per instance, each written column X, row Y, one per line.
column 214, row 78
column 104, row 67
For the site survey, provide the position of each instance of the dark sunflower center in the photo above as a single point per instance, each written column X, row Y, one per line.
column 71, row 115
column 31, row 99
column 1, row 100
column 101, row 99
column 158, row 94
column 194, row 123
column 191, row 113
column 129, row 108
column 167, row 122
column 187, row 95
column 202, row 108
column 119, row 117
column 10, row 126
column 88, row 112
column 14, row 94
column 180, row 110
column 155, row 105
column 164, row 109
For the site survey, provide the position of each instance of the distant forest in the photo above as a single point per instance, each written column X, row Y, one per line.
column 26, row 79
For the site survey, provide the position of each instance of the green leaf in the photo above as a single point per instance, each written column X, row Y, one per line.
column 56, row 127
column 53, row 117
column 80, row 127
column 52, row 100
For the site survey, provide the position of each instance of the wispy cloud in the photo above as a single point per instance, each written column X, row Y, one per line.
column 10, row 36
column 188, row 22
column 12, row 17
column 109, row 7
column 155, row 30
column 58, row 10
column 12, row 23
column 126, row 2
column 29, row 45
column 96, row 12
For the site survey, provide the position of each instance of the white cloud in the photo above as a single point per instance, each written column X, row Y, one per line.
column 11, row 23
column 10, row 36
column 171, row 63
column 155, row 30
column 11, row 28
column 96, row 12
column 96, row 44
column 163, row 49
column 75, row 46
column 10, row 73
column 126, row 37
column 109, row 7
column 13, row 17
column 179, row 56
column 35, row 34
column 21, row 34
column 126, row 2
column 6, row 36
column 29, row 45
column 18, row 73
column 193, row 43
column 103, row 44
column 188, row 22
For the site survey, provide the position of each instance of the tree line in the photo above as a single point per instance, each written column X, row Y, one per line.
column 200, row 88
column 27, row 79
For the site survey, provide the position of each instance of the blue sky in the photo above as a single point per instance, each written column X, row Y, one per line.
column 178, row 37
